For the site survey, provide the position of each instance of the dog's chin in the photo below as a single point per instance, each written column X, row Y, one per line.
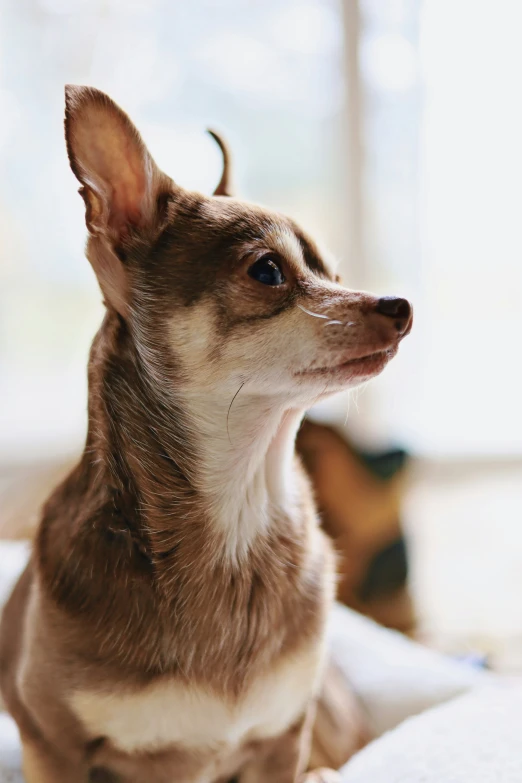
column 350, row 372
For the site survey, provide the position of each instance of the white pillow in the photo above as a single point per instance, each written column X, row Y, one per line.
column 476, row 738
column 395, row 677
column 10, row 752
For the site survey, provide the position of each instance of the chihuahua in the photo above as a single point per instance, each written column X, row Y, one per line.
column 170, row 625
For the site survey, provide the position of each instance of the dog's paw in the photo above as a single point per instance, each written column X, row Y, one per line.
column 322, row 775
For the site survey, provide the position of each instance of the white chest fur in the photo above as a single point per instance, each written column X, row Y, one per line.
column 169, row 712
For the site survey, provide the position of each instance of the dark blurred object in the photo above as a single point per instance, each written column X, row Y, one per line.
column 359, row 495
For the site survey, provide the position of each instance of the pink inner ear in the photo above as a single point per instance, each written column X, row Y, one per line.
column 129, row 180
column 126, row 204
column 113, row 158
column 124, row 171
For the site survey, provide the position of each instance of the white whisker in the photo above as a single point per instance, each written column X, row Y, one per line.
column 326, row 317
column 315, row 315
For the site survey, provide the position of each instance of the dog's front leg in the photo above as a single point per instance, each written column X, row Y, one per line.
column 284, row 760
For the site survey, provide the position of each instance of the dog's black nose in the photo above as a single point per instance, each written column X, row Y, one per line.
column 397, row 308
column 394, row 307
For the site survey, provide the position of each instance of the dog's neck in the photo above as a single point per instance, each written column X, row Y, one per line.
column 189, row 457
column 246, row 466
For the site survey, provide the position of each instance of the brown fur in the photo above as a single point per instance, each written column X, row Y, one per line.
column 146, row 573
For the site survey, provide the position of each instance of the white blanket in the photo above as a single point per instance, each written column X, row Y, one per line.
column 476, row 738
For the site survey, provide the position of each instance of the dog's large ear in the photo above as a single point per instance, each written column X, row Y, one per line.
column 224, row 187
column 123, row 189
column 121, row 184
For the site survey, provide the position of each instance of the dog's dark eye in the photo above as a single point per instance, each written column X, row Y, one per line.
column 267, row 271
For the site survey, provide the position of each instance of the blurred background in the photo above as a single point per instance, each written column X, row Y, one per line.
column 391, row 129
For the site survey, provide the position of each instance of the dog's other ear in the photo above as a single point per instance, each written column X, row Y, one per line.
column 224, row 187
column 121, row 184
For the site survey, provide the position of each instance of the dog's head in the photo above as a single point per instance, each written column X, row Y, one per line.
column 237, row 294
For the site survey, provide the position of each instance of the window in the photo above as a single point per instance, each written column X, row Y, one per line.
column 269, row 75
column 442, row 123
column 414, row 183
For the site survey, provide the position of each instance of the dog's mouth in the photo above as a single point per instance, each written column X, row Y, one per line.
column 362, row 366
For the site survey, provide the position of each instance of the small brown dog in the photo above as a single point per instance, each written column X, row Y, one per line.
column 170, row 625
